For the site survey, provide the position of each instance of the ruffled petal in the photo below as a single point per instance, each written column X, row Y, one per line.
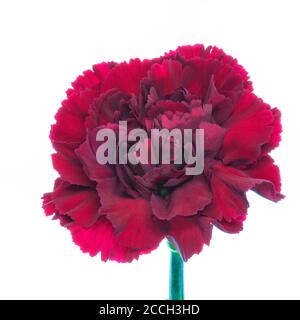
column 80, row 204
column 102, row 70
column 222, row 106
column 78, row 102
column 268, row 173
column 188, row 235
column 69, row 128
column 235, row 226
column 91, row 79
column 107, row 108
column 166, row 77
column 228, row 186
column 186, row 200
column 70, row 170
column 213, row 138
column 48, row 198
column 197, row 74
column 48, row 205
column 228, row 65
column 126, row 77
column 227, row 203
column 132, row 219
column 248, row 129
column 100, row 238
column 276, row 133
column 187, row 52
column 86, row 153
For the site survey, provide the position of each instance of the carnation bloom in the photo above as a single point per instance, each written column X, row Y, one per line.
column 125, row 210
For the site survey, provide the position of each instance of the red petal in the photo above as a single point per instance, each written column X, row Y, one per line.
column 248, row 129
column 103, row 109
column 66, row 150
column 100, row 238
column 213, row 137
column 69, row 127
column 48, row 204
column 87, row 80
column 197, row 74
column 81, row 205
column 222, row 106
column 276, row 132
column 87, row 156
column 166, row 76
column 70, row 170
column 228, row 74
column 227, row 202
column 268, row 172
column 229, row 61
column 185, row 200
column 131, row 218
column 92, row 80
column 126, row 77
column 164, row 106
column 79, row 101
column 188, row 235
column 70, row 118
column 48, row 198
column 188, row 52
column 235, row 226
column 233, row 177
column 228, row 186
column 103, row 69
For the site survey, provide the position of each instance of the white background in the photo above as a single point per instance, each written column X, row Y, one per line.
column 44, row 45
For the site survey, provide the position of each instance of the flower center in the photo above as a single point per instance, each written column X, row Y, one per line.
column 163, row 192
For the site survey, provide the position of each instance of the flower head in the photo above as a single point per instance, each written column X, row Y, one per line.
column 124, row 210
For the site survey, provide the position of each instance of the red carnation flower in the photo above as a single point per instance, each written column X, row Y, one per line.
column 125, row 210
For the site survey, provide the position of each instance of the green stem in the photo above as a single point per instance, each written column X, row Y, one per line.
column 176, row 284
